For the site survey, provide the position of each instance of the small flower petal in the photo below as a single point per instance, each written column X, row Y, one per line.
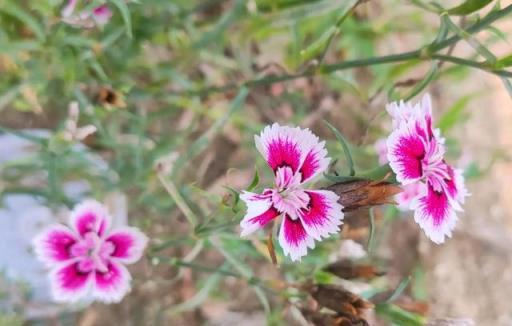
column 67, row 11
column 90, row 216
column 456, row 186
column 316, row 161
column 323, row 215
column 113, row 284
column 410, row 193
column 406, row 150
column 259, row 211
column 102, row 14
column 69, row 283
column 403, row 112
column 294, row 239
column 435, row 214
column 53, row 245
column 126, row 244
column 297, row 148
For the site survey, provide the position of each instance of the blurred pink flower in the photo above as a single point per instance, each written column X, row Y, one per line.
column 416, row 155
column 98, row 16
column 87, row 258
column 381, row 148
column 296, row 156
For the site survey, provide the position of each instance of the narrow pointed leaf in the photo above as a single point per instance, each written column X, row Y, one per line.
column 468, row 7
column 346, row 149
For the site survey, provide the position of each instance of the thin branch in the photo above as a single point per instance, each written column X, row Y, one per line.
column 424, row 53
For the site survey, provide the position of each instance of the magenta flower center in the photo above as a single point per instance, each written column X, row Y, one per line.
column 434, row 167
column 288, row 197
column 92, row 253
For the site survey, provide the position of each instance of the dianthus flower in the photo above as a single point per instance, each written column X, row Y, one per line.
column 86, row 259
column 99, row 15
column 295, row 156
column 416, row 155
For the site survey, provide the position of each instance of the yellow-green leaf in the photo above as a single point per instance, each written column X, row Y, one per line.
column 468, row 7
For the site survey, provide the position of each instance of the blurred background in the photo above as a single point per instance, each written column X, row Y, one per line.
column 162, row 82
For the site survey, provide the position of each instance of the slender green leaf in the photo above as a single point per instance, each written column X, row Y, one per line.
column 346, row 149
column 255, row 181
column 455, row 114
column 371, row 237
column 202, row 142
column 419, row 87
column 499, row 33
column 125, row 13
column 504, row 62
column 399, row 289
column 508, row 85
column 201, row 296
column 398, row 316
column 12, row 9
column 472, row 41
column 317, row 47
column 468, row 7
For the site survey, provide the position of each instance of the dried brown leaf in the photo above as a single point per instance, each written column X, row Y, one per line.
column 348, row 269
column 345, row 303
column 364, row 193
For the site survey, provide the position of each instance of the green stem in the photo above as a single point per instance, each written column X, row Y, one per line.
column 424, row 53
column 474, row 64
column 178, row 199
column 338, row 24
column 202, row 268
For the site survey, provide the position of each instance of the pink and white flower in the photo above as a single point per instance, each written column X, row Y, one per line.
column 98, row 16
column 296, row 156
column 86, row 259
column 416, row 155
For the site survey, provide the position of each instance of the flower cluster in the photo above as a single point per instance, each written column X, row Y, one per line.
column 98, row 16
column 295, row 156
column 86, row 260
column 415, row 151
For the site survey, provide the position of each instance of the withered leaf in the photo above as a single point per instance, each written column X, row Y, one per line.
column 356, row 194
column 417, row 307
column 344, row 303
column 109, row 97
column 348, row 269
column 318, row 318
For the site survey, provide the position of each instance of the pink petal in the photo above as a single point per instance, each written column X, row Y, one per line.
column 90, row 216
column 67, row 11
column 316, row 161
column 127, row 243
column 102, row 14
column 286, row 178
column 324, row 214
column 456, row 186
column 403, row 112
column 283, row 146
column 406, row 150
column 54, row 244
column 259, row 211
column 410, row 193
column 69, row 283
column 294, row 239
column 113, row 284
column 435, row 215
